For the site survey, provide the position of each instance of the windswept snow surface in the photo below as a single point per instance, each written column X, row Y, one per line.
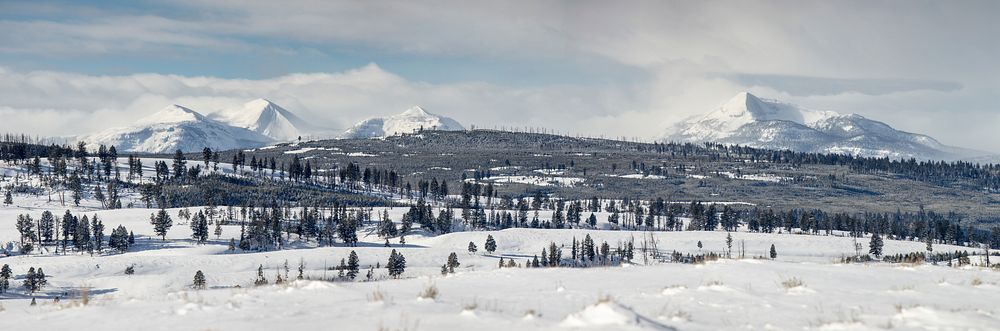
column 721, row 295
column 408, row 121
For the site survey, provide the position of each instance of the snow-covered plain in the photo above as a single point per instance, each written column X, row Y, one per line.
column 729, row 294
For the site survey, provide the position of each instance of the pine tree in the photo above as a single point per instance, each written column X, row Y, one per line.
column 352, row 265
column 161, row 223
column 261, row 280
column 452, row 262
column 30, row 282
column 555, row 255
column 199, row 280
column 5, row 274
column 81, row 238
column 491, row 245
column 396, row 264
column 46, row 226
column 774, row 253
column 179, row 164
column 729, row 244
column 98, row 228
column 587, row 248
column 218, row 229
column 199, row 228
column 472, row 248
column 8, row 199
column 119, row 239
column 875, row 245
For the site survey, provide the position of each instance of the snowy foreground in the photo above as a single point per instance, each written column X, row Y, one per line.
column 804, row 288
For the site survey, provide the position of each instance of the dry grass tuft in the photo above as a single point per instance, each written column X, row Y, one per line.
column 792, row 283
column 430, row 292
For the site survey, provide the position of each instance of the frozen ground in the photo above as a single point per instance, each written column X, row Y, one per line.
column 804, row 288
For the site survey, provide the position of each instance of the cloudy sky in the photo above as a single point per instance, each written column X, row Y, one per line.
column 611, row 68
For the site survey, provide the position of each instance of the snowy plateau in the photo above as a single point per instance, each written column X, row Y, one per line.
column 806, row 286
column 751, row 121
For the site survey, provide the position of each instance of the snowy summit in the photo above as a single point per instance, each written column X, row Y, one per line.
column 176, row 127
column 264, row 117
column 411, row 120
column 751, row 121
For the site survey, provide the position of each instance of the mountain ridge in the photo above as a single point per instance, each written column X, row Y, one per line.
column 177, row 127
column 408, row 121
column 748, row 120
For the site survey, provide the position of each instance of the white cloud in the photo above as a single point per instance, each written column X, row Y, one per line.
column 70, row 104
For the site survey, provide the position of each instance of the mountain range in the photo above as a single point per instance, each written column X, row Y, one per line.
column 176, row 127
column 751, row 121
column 257, row 123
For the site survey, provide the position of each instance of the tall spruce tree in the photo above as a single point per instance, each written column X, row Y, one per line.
column 491, row 245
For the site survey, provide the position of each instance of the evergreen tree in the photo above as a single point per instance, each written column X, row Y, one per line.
column 199, row 228
column 587, row 248
column 82, row 236
column 46, row 226
column 774, row 253
column 179, row 164
column 30, row 281
column 199, row 280
column 452, row 262
column 472, row 248
column 875, row 245
column 396, row 264
column 729, row 244
column 352, row 265
column 161, row 223
column 261, row 280
column 5, row 274
column 491, row 245
column 555, row 255
column 98, row 228
column 8, row 199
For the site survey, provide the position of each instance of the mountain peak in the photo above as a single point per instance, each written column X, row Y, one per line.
column 415, row 111
column 748, row 120
column 409, row 121
column 173, row 114
column 744, row 102
column 259, row 103
column 265, row 117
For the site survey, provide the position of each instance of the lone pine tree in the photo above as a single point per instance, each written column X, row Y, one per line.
column 491, row 245
column 199, row 280
column 875, row 245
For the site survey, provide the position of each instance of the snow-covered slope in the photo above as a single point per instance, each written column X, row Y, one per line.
column 264, row 117
column 748, row 120
column 406, row 122
column 176, row 127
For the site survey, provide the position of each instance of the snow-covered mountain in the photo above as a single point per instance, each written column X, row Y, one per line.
column 176, row 127
column 748, row 120
column 264, row 117
column 408, row 121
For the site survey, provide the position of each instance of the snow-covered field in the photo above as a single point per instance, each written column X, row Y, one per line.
column 804, row 288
